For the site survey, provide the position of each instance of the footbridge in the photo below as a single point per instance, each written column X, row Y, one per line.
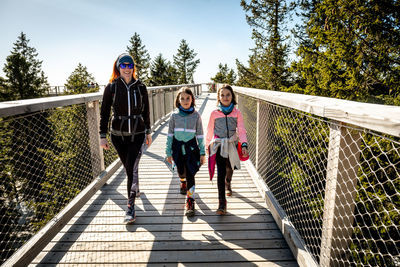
column 321, row 188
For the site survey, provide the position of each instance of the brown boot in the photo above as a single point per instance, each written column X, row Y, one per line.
column 189, row 207
column 221, row 207
column 183, row 189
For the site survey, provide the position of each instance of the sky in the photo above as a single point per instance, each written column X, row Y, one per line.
column 94, row 32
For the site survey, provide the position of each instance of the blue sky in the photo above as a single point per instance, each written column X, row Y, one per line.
column 95, row 32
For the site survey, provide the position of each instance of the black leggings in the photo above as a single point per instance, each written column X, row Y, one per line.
column 224, row 173
column 190, row 182
column 128, row 152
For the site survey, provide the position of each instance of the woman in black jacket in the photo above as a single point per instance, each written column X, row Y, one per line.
column 130, row 124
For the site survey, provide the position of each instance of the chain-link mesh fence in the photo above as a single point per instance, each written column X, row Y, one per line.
column 339, row 185
column 45, row 162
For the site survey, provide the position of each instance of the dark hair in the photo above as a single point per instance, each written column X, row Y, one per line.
column 226, row 86
column 185, row 90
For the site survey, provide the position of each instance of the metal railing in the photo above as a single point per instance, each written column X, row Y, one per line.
column 51, row 162
column 332, row 174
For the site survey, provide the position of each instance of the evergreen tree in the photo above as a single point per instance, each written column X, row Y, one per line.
column 224, row 75
column 4, row 93
column 162, row 72
column 141, row 57
column 81, row 81
column 353, row 51
column 185, row 63
column 267, row 65
column 25, row 79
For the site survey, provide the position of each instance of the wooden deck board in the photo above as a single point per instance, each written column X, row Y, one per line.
column 162, row 235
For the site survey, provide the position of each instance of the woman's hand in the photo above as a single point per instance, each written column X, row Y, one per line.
column 202, row 160
column 148, row 140
column 245, row 152
column 169, row 159
column 104, row 143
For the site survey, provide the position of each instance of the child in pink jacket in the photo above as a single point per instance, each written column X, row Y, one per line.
column 225, row 129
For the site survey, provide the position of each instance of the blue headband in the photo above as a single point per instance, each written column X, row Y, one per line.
column 124, row 58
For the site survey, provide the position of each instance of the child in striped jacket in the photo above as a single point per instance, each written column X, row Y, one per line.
column 185, row 144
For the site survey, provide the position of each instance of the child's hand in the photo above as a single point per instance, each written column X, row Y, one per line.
column 245, row 152
column 104, row 143
column 148, row 140
column 202, row 159
column 169, row 159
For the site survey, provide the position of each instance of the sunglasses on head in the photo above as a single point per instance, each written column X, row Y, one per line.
column 126, row 65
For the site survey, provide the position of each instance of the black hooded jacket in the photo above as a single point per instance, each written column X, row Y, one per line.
column 130, row 103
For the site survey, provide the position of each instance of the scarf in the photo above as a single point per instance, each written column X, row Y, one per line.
column 224, row 109
column 185, row 112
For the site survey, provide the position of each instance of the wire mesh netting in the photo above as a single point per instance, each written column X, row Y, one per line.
column 339, row 185
column 45, row 162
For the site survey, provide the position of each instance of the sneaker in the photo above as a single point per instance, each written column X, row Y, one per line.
column 189, row 207
column 221, row 207
column 130, row 216
column 183, row 189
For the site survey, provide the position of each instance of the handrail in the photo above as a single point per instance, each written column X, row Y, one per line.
column 381, row 118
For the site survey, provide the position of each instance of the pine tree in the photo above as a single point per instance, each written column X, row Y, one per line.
column 25, row 79
column 267, row 65
column 81, row 81
column 352, row 52
column 224, row 75
column 162, row 72
column 185, row 63
column 141, row 57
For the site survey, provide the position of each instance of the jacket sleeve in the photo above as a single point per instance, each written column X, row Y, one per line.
column 240, row 128
column 200, row 135
column 105, row 111
column 171, row 127
column 146, row 110
column 210, row 129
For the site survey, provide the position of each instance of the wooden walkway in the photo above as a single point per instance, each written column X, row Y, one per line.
column 162, row 235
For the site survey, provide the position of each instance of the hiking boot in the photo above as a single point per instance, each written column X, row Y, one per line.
column 183, row 189
column 130, row 216
column 189, row 207
column 221, row 207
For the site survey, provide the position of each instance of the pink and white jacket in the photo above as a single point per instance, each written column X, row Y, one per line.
column 225, row 126
column 224, row 131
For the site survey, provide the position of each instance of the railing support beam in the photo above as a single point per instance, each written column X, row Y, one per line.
column 340, row 192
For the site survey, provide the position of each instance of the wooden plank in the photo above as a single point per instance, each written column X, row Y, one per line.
column 177, row 212
column 167, row 201
column 149, row 195
column 79, row 228
column 168, row 219
column 192, row 264
column 164, row 245
column 252, row 255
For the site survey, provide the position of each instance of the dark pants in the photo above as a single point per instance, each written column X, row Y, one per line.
column 129, row 152
column 190, row 183
column 224, row 173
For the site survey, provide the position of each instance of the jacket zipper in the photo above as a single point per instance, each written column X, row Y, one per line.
column 227, row 128
column 129, row 105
